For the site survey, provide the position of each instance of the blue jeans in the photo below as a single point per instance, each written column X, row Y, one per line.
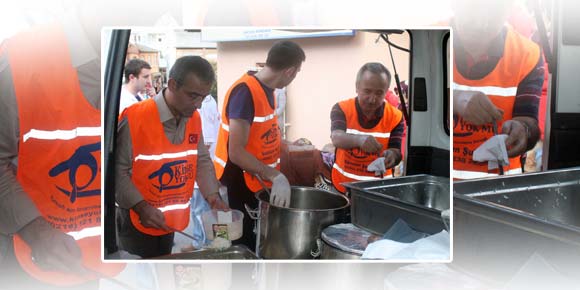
column 198, row 206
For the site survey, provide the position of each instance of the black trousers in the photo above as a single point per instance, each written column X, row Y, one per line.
column 239, row 195
column 135, row 242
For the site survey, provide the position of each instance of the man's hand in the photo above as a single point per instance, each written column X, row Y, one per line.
column 280, row 194
column 215, row 202
column 150, row 216
column 52, row 249
column 517, row 140
column 369, row 144
column 391, row 158
column 475, row 107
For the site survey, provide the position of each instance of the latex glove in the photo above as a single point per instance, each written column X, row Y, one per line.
column 475, row 107
column 378, row 166
column 51, row 248
column 492, row 151
column 151, row 217
column 280, row 194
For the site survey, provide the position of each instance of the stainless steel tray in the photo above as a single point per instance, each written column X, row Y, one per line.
column 514, row 217
column 418, row 200
column 236, row 252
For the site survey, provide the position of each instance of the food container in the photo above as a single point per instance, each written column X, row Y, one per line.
column 344, row 242
column 418, row 200
column 215, row 225
column 517, row 217
column 292, row 233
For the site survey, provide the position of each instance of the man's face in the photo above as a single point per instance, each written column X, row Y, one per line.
column 290, row 74
column 190, row 95
column 143, row 80
column 478, row 22
column 371, row 90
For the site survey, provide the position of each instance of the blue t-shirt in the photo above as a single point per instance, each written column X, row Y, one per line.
column 241, row 104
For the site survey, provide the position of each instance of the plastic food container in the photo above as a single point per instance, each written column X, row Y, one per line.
column 217, row 224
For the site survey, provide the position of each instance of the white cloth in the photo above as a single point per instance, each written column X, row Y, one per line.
column 210, row 119
column 127, row 99
column 378, row 166
column 433, row 248
column 492, row 151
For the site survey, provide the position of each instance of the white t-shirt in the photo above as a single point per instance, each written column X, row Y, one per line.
column 127, row 99
column 210, row 119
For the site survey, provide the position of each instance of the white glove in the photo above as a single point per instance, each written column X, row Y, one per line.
column 280, row 195
column 378, row 166
column 492, row 150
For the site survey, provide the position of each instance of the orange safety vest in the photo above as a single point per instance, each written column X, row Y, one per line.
column 164, row 173
column 519, row 59
column 264, row 140
column 59, row 154
column 351, row 164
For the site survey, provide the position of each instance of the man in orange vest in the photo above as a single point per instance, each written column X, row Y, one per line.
column 366, row 130
column 160, row 154
column 497, row 78
column 249, row 137
column 50, row 161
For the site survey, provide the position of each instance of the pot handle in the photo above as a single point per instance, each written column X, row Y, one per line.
column 253, row 213
column 316, row 253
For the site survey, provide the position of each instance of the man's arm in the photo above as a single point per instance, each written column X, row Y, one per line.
column 238, row 139
column 206, row 177
column 523, row 130
column 51, row 248
column 127, row 195
column 393, row 154
column 341, row 139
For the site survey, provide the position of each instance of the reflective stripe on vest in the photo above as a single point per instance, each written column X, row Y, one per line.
column 357, row 177
column 500, row 85
column 351, row 164
column 174, row 207
column 164, row 173
column 264, row 140
column 85, row 233
column 461, row 174
column 62, row 134
column 374, row 134
column 166, row 155
column 489, row 90
column 59, row 152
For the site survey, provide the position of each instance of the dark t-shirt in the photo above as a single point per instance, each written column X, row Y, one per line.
column 241, row 104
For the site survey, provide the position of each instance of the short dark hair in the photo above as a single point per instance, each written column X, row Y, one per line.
column 375, row 68
column 134, row 67
column 285, row 54
column 197, row 65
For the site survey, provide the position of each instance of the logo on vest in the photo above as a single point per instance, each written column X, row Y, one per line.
column 172, row 175
column 81, row 157
column 467, row 129
column 358, row 153
column 271, row 135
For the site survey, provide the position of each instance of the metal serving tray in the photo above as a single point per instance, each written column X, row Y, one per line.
column 418, row 200
column 236, row 252
column 515, row 217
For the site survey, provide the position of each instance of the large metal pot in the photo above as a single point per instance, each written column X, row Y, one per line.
column 291, row 233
